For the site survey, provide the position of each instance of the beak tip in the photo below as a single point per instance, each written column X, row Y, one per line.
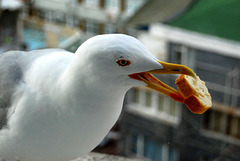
column 193, row 75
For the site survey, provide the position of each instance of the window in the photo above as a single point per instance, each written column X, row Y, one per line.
column 223, row 123
column 152, row 150
column 135, row 95
column 48, row 16
column 133, row 5
column 34, row 39
column 60, row 17
column 161, row 102
column 173, row 154
column 148, row 98
column 144, row 146
column 113, row 5
column 133, row 141
column 143, row 97
column 92, row 27
column 223, row 81
column 110, row 28
column 155, row 104
column 172, row 107
column 232, row 88
column 92, row 3
column 182, row 54
column 70, row 20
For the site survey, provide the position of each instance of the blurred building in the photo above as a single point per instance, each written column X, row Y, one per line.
column 10, row 25
column 205, row 38
column 68, row 23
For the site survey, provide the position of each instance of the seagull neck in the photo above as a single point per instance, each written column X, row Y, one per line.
column 77, row 79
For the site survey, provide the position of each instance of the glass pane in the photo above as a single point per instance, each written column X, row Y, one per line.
column 229, row 124
column 238, row 131
column 135, row 95
column 110, row 28
column 133, row 5
column 171, row 154
column 148, row 98
column 160, row 102
column 92, row 2
column 158, row 152
column 149, row 148
column 91, row 27
column 133, row 143
column 112, row 4
column 217, row 121
column 234, row 126
column 172, row 107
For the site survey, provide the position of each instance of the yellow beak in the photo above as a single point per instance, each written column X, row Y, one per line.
column 154, row 83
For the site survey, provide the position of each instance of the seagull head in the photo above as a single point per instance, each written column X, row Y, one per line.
column 126, row 62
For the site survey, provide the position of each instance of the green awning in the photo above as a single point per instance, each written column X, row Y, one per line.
column 215, row 17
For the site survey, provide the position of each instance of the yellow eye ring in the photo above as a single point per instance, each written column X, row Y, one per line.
column 123, row 62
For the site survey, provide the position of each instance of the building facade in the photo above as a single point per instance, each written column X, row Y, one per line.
column 156, row 127
column 68, row 23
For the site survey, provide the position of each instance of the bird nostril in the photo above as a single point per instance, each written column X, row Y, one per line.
column 175, row 70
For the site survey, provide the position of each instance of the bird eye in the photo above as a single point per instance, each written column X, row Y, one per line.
column 123, row 62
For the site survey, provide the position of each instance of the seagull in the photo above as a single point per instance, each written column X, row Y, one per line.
column 56, row 105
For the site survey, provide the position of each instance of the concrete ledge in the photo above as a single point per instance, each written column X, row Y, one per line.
column 102, row 157
column 105, row 157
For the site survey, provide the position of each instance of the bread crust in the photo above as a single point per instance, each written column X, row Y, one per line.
column 195, row 105
column 197, row 97
column 183, row 86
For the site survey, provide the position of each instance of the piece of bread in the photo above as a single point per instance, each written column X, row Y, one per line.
column 195, row 92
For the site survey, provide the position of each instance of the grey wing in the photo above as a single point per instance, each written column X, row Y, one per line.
column 13, row 65
column 10, row 76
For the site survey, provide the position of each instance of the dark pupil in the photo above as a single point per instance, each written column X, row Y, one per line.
column 123, row 62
